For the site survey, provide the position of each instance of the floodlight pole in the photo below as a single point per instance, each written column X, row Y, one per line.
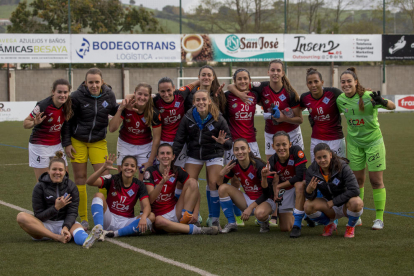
column 181, row 62
column 70, row 64
column 383, row 31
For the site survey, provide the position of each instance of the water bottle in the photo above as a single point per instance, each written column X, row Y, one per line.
column 288, row 112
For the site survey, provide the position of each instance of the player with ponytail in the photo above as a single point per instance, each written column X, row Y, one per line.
column 365, row 141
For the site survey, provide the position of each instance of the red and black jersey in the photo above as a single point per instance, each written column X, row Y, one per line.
column 166, row 200
column 134, row 129
column 282, row 99
column 48, row 132
column 171, row 113
column 240, row 116
column 292, row 170
column 324, row 115
column 250, row 178
column 122, row 202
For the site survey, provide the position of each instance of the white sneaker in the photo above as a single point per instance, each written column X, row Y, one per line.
column 229, row 228
column 359, row 222
column 378, row 224
column 93, row 236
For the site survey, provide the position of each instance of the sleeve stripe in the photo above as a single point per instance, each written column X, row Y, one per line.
column 228, row 177
column 122, row 117
column 270, row 176
column 186, row 179
column 295, row 106
column 156, row 125
column 102, row 183
column 144, row 197
column 148, row 183
column 301, row 162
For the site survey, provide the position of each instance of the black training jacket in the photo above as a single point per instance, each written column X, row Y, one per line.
column 90, row 120
column 44, row 196
column 341, row 185
column 200, row 144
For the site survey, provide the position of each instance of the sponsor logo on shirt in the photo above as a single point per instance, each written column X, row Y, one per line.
column 147, row 175
column 182, row 88
column 50, row 114
column 108, row 176
column 36, row 110
column 129, row 114
column 86, row 105
column 301, row 154
column 308, row 103
column 256, row 84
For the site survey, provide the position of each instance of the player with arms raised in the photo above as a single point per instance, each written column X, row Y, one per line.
column 365, row 142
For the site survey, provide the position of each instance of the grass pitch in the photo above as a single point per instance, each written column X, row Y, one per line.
column 246, row 252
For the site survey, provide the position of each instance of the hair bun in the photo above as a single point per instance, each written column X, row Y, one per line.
column 58, row 154
column 352, row 69
column 311, row 69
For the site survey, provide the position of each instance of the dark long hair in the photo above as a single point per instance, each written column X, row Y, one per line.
column 118, row 177
column 336, row 164
column 220, row 100
column 359, row 88
column 253, row 158
column 285, row 80
column 67, row 106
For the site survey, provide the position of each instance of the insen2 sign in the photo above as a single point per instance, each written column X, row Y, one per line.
column 405, row 103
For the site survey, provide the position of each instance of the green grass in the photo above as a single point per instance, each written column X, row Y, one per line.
column 246, row 252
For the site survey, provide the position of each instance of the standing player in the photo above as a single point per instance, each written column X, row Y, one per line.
column 135, row 135
column 247, row 168
column 324, row 116
column 170, row 103
column 116, row 213
column 46, row 120
column 207, row 136
column 84, row 135
column 332, row 176
column 174, row 196
column 55, row 203
column 365, row 142
column 289, row 163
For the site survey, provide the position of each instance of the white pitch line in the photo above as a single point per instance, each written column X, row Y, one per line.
column 18, row 164
column 130, row 247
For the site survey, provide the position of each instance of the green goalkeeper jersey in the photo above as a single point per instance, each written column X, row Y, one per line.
column 363, row 126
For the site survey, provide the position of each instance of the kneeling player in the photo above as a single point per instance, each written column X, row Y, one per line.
column 116, row 213
column 332, row 176
column 248, row 169
column 174, row 196
column 289, row 163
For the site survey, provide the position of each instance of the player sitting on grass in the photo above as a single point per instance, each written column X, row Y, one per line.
column 55, row 202
column 248, row 170
column 289, row 163
column 332, row 176
column 174, row 196
column 116, row 213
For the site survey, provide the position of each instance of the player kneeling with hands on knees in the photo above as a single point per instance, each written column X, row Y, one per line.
column 174, row 196
column 332, row 176
column 248, row 169
column 116, row 213
column 55, row 202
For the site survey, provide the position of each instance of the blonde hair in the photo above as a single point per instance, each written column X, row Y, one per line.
column 149, row 106
column 212, row 107
column 285, row 80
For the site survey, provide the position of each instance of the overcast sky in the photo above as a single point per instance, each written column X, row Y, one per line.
column 159, row 4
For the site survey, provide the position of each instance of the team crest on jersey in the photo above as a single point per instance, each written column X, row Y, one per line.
column 267, row 101
column 310, row 110
column 177, row 104
column 336, row 181
column 251, row 176
column 128, row 120
column 256, row 84
column 301, row 154
column 143, row 119
column 130, row 192
column 147, row 175
column 210, row 127
column 108, row 176
column 105, row 104
column 50, row 120
column 291, row 162
column 325, row 100
column 113, row 193
column 162, row 110
column 234, row 105
column 282, row 97
column 172, row 179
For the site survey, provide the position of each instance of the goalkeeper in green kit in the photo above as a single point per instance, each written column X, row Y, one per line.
column 365, row 142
